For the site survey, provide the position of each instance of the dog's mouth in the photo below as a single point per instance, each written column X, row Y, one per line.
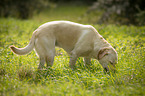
column 106, row 70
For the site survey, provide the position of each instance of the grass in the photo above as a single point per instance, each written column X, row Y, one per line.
column 19, row 75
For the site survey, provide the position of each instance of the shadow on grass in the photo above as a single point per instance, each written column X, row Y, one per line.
column 25, row 73
column 57, row 74
column 2, row 71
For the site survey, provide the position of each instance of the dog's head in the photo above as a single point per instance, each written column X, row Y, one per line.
column 107, row 57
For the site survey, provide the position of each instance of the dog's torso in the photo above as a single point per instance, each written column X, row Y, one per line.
column 69, row 36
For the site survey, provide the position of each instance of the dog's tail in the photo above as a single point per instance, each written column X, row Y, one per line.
column 25, row 50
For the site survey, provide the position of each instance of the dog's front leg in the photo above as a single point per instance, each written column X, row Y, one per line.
column 87, row 61
column 72, row 61
column 42, row 62
column 49, row 61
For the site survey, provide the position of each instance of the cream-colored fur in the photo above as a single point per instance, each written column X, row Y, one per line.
column 76, row 39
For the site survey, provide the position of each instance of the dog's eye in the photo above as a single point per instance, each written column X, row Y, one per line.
column 111, row 62
column 106, row 54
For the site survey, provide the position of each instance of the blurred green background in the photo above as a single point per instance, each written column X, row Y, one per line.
column 96, row 11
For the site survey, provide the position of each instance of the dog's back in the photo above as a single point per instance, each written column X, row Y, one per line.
column 65, row 33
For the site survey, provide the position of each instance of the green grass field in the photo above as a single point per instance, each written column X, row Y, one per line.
column 19, row 75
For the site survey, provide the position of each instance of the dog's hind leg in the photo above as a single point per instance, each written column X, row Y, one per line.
column 42, row 62
column 49, row 47
column 45, row 47
column 41, row 54
column 50, row 58
column 40, row 48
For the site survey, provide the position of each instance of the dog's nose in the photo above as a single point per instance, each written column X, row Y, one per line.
column 106, row 70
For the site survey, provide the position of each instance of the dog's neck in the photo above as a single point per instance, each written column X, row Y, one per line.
column 99, row 43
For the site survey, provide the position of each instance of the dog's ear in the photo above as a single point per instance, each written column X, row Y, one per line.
column 102, row 52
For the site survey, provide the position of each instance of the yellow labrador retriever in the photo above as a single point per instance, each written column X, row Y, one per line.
column 76, row 39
